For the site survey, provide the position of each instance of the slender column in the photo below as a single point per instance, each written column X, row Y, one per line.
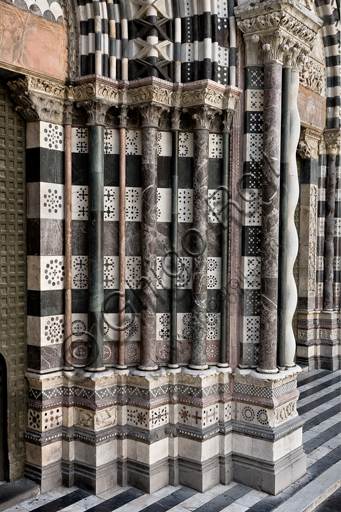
column 292, row 241
column 283, row 216
column 202, row 118
column 225, row 236
column 96, row 207
column 174, row 239
column 122, row 238
column 332, row 139
column 68, row 235
column 150, row 120
column 270, row 213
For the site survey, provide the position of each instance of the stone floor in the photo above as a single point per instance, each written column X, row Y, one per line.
column 319, row 405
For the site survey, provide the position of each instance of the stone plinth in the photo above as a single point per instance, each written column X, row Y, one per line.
column 151, row 429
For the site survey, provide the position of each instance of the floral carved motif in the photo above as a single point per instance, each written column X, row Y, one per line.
column 285, row 412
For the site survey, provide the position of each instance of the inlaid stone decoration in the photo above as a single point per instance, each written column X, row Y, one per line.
column 49, row 9
column 152, row 239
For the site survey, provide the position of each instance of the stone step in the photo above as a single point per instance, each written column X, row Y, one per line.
column 315, row 493
column 16, row 492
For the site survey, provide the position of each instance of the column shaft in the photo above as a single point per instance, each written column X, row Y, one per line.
column 174, row 248
column 224, row 247
column 68, row 235
column 292, row 241
column 96, row 206
column 283, row 216
column 148, row 236
column 270, row 217
column 121, row 249
column 329, row 235
column 199, row 292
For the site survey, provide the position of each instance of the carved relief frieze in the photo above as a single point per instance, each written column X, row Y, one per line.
column 40, row 99
column 312, row 75
column 285, row 412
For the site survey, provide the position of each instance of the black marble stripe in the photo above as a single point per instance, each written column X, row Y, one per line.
column 63, row 502
column 312, row 405
column 322, row 438
column 325, row 462
column 319, row 387
column 311, row 378
column 117, row 501
column 316, row 420
column 170, row 501
column 215, row 505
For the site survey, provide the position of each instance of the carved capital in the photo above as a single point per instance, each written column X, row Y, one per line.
column 96, row 111
column 38, row 99
column 279, row 24
column 203, row 116
column 175, row 123
column 308, row 146
column 150, row 115
column 227, row 120
column 123, row 117
column 333, row 141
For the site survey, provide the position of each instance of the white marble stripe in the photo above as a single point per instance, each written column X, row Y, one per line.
column 321, row 427
column 139, row 503
column 199, row 499
column 318, row 395
column 322, row 450
column 321, row 408
column 318, row 381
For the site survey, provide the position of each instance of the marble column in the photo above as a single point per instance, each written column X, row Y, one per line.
column 270, row 213
column 174, row 239
column 122, row 238
column 150, row 115
column 225, row 236
column 283, row 226
column 292, row 241
column 333, row 149
column 96, row 231
column 201, row 118
column 68, row 235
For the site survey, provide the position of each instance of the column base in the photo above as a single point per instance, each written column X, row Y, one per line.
column 266, row 476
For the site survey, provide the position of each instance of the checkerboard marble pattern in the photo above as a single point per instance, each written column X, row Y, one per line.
column 252, row 213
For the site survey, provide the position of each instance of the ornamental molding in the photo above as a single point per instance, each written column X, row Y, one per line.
column 308, row 145
column 46, row 100
column 332, row 141
column 285, row 28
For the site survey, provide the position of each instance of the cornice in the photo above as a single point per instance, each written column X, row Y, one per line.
column 47, row 100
